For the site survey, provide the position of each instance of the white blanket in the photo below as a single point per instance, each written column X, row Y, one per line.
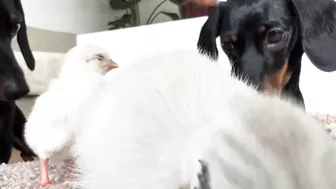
column 47, row 67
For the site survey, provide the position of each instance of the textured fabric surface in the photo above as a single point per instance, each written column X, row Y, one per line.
column 48, row 65
column 26, row 175
column 328, row 123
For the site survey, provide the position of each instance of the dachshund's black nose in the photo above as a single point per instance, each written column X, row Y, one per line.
column 14, row 90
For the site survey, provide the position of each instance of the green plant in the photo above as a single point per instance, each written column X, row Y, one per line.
column 176, row 2
column 172, row 16
column 122, row 4
column 132, row 16
column 122, row 22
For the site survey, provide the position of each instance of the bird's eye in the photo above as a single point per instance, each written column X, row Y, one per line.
column 100, row 57
column 275, row 36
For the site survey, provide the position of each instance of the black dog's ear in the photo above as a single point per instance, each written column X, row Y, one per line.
column 210, row 31
column 318, row 31
column 22, row 38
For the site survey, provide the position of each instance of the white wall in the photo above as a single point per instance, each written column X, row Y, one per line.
column 128, row 45
column 74, row 16
column 84, row 16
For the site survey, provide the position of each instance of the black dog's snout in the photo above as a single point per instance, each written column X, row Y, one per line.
column 14, row 90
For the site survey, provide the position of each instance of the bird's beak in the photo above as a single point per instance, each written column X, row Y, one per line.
column 111, row 65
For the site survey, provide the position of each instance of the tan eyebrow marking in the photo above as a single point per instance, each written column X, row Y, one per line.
column 234, row 38
column 261, row 29
column 276, row 82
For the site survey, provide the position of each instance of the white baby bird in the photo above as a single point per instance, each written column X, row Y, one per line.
column 53, row 121
column 149, row 128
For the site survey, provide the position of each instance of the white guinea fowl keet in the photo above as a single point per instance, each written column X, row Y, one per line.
column 53, row 121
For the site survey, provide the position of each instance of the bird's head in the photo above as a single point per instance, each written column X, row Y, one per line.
column 89, row 58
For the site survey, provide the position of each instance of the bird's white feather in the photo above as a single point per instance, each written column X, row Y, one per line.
column 144, row 126
column 151, row 124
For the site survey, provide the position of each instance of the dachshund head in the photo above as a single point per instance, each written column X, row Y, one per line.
column 12, row 81
column 260, row 37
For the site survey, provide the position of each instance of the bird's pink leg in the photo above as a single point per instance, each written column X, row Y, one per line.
column 44, row 172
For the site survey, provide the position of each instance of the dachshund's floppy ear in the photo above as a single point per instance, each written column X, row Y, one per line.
column 210, row 31
column 318, row 31
column 22, row 38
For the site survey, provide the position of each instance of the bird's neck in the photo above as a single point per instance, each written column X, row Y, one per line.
column 81, row 74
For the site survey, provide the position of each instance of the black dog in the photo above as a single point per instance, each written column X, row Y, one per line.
column 265, row 40
column 13, row 84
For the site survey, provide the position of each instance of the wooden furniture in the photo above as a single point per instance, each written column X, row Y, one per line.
column 190, row 9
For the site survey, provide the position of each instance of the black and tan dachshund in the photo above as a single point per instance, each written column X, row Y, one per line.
column 265, row 40
column 13, row 84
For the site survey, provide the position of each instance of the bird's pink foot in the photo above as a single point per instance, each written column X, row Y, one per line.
column 45, row 182
column 44, row 172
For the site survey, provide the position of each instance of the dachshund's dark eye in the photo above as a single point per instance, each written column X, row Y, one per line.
column 13, row 29
column 275, row 36
column 16, row 27
column 228, row 45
